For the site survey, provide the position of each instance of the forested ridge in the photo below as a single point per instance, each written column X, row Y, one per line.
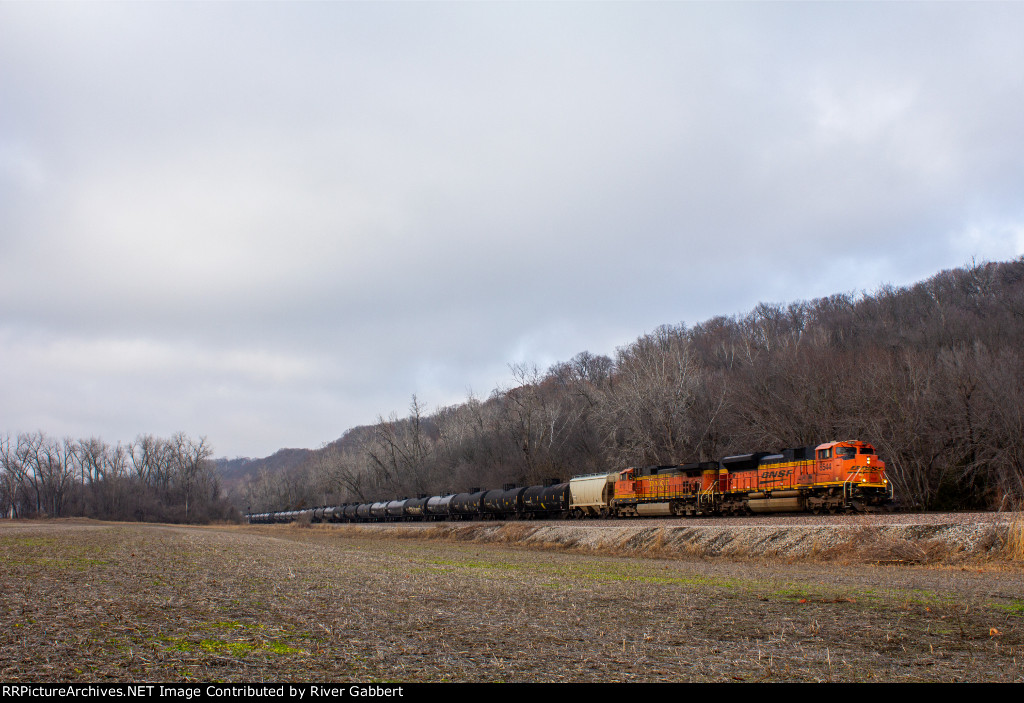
column 932, row 374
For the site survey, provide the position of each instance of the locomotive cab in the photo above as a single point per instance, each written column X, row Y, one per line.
column 848, row 462
column 625, row 486
column 849, row 474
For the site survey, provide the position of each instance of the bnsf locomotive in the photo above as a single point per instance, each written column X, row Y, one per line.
column 833, row 477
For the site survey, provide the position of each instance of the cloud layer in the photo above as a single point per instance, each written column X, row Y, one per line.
column 266, row 223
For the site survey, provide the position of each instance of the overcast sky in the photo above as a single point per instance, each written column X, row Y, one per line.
column 266, row 223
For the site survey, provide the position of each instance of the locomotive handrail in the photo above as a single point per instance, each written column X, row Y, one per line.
column 706, row 495
column 860, row 470
column 849, row 486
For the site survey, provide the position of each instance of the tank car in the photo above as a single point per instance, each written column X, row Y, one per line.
column 512, row 501
column 415, row 508
column 547, row 501
column 466, row 506
column 438, row 507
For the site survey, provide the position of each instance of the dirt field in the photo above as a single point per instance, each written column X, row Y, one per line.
column 86, row 601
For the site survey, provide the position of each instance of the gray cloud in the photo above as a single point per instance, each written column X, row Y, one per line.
column 269, row 222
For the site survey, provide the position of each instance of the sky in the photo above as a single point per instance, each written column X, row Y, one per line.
column 266, row 223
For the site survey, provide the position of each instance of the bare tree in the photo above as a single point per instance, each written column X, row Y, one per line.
column 342, row 472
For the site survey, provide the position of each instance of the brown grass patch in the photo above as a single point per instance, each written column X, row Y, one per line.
column 1013, row 544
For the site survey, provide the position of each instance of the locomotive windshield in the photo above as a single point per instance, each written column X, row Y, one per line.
column 846, row 452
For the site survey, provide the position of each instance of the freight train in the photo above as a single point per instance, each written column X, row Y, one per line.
column 834, row 477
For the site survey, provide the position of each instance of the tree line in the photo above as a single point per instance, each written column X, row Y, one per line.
column 932, row 374
column 151, row 478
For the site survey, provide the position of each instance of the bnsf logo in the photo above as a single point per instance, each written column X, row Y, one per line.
column 778, row 474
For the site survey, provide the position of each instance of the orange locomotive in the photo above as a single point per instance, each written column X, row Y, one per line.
column 831, row 477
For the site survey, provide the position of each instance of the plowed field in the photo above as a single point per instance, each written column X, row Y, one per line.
column 85, row 601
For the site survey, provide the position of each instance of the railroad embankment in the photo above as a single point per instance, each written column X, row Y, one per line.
column 902, row 538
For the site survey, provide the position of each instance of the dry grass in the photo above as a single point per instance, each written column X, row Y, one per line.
column 115, row 602
column 1013, row 545
column 933, row 539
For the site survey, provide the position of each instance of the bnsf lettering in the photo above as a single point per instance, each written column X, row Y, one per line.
column 778, row 475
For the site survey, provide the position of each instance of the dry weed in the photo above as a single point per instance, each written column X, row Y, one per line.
column 1013, row 546
column 515, row 532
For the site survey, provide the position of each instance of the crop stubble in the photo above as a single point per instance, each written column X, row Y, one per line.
column 87, row 601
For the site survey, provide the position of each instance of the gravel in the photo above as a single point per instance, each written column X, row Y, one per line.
column 883, row 537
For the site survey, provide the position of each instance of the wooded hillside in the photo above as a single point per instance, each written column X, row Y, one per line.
column 932, row 374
